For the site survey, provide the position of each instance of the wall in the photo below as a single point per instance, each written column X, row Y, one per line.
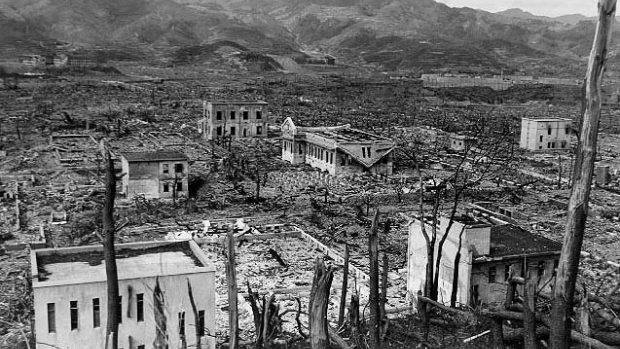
column 535, row 135
column 148, row 178
column 293, row 151
column 143, row 179
column 251, row 125
column 321, row 158
column 143, row 333
column 417, row 259
column 494, row 293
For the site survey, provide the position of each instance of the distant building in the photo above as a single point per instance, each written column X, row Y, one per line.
column 545, row 133
column 156, row 175
column 70, row 296
column 487, row 253
column 237, row 119
column 32, row 60
column 337, row 150
column 460, row 142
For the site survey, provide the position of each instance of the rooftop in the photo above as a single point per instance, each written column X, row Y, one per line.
column 154, row 156
column 508, row 240
column 77, row 265
column 546, row 119
column 239, row 101
column 348, row 134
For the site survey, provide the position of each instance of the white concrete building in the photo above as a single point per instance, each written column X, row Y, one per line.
column 337, row 150
column 156, row 174
column 70, row 297
column 236, row 119
column 487, row 252
column 545, row 134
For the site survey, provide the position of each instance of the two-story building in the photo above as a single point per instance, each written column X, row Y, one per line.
column 545, row 133
column 70, row 296
column 236, row 119
column 156, row 175
column 336, row 150
column 462, row 142
column 487, row 252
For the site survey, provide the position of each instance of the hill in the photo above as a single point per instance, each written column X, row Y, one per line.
column 421, row 35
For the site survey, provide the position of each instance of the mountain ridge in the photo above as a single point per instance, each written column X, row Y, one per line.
column 384, row 34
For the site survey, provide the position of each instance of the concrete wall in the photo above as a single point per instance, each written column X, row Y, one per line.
column 242, row 128
column 545, row 135
column 494, row 292
column 417, row 259
column 148, row 178
column 293, row 152
column 142, row 333
column 321, row 158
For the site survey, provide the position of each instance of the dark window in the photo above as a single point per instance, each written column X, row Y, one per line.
column 120, row 309
column 246, row 115
column 259, row 114
column 96, row 313
column 245, row 132
column 178, row 168
column 200, row 330
column 166, row 187
column 541, row 138
column 180, row 186
column 165, row 168
column 363, row 152
column 141, row 346
column 219, row 130
column 492, row 274
column 259, row 130
column 140, row 306
column 73, row 306
column 51, row 317
column 232, row 131
column 233, row 115
column 567, row 130
column 549, row 131
column 218, row 115
column 506, row 272
column 541, row 268
column 182, row 323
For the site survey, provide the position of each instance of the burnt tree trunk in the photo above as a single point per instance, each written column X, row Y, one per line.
column 231, row 280
column 109, row 255
column 373, row 254
column 455, row 275
column 564, row 289
column 319, row 299
column 497, row 334
column 161, row 335
column 354, row 319
column 192, row 301
column 345, row 281
column 529, row 307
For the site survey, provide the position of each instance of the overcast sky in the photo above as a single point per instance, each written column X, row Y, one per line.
column 550, row 8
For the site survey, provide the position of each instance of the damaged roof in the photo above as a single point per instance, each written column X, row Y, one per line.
column 154, row 156
column 510, row 240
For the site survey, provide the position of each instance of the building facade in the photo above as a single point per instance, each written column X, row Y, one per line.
column 459, row 142
column 70, row 296
column 337, row 150
column 545, row 134
column 487, row 250
column 236, row 119
column 156, row 175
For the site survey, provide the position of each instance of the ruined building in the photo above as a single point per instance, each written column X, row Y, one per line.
column 462, row 142
column 545, row 134
column 487, row 252
column 237, row 119
column 336, row 150
column 70, row 296
column 156, row 175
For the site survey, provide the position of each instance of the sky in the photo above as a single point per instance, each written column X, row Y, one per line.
column 551, row 8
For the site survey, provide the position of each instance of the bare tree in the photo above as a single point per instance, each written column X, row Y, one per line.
column 109, row 254
column 564, row 289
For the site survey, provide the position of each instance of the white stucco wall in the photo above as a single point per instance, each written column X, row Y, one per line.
column 142, row 333
column 535, row 134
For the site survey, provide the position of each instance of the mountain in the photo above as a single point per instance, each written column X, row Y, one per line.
column 421, row 35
